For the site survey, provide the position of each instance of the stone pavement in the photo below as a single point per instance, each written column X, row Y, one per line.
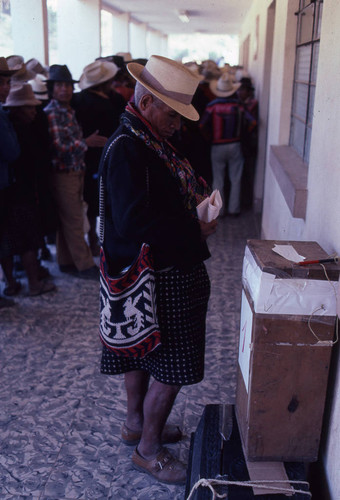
column 60, row 418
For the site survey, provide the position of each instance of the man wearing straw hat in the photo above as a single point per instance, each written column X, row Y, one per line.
column 151, row 193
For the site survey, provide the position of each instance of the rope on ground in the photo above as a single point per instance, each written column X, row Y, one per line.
column 264, row 484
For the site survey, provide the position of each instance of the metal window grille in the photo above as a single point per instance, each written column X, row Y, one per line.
column 306, row 63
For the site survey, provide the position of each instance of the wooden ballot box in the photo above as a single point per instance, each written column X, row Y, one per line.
column 287, row 327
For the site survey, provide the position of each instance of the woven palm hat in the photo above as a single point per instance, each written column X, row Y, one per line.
column 39, row 86
column 35, row 66
column 22, row 74
column 97, row 72
column 224, row 86
column 170, row 81
column 5, row 70
column 22, row 95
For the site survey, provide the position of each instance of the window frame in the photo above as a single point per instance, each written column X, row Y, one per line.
column 302, row 147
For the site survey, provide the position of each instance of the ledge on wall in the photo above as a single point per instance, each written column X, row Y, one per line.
column 291, row 174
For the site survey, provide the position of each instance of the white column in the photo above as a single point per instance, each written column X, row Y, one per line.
column 28, row 29
column 154, row 44
column 78, row 25
column 120, row 32
column 165, row 46
column 138, row 40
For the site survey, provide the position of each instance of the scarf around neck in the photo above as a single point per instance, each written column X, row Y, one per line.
column 193, row 189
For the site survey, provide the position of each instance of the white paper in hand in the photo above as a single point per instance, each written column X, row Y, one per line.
column 210, row 207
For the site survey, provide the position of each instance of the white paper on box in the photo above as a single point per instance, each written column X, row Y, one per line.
column 245, row 339
column 272, row 295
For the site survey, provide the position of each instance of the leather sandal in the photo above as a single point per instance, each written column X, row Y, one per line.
column 171, row 434
column 164, row 467
column 41, row 288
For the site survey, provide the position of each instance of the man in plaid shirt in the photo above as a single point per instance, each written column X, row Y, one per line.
column 68, row 150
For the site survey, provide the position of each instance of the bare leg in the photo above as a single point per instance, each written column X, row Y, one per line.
column 158, row 403
column 136, row 384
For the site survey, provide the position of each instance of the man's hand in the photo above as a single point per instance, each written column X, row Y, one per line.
column 96, row 141
column 207, row 228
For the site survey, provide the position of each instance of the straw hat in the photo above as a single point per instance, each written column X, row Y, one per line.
column 194, row 68
column 15, row 61
column 125, row 55
column 39, row 87
column 22, row 74
column 5, row 69
column 35, row 66
column 97, row 72
column 209, row 70
column 22, row 95
column 224, row 86
column 170, row 81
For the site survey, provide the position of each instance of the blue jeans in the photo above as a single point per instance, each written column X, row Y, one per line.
column 223, row 155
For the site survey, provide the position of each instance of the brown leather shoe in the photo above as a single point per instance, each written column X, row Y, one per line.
column 171, row 434
column 164, row 467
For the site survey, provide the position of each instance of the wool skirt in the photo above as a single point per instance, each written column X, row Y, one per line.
column 182, row 301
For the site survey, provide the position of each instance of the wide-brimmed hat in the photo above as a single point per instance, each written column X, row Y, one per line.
column 97, row 72
column 22, row 74
column 209, row 70
column 5, row 69
column 118, row 60
column 39, row 87
column 22, row 95
column 194, row 68
column 224, row 86
column 60, row 73
column 170, row 81
column 35, row 66
column 15, row 61
column 125, row 55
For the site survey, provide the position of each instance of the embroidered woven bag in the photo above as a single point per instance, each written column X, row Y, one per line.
column 128, row 319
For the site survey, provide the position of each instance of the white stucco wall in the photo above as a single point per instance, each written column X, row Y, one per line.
column 323, row 209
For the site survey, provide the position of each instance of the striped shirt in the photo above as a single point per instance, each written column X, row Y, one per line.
column 68, row 144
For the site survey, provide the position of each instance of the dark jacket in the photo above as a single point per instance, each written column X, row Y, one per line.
column 138, row 210
column 94, row 112
column 9, row 148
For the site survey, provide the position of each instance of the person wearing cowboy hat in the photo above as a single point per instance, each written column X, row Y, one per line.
column 98, row 108
column 9, row 151
column 68, row 153
column 221, row 123
column 23, row 230
column 151, row 193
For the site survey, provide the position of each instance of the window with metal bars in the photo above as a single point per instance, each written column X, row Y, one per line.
column 306, row 63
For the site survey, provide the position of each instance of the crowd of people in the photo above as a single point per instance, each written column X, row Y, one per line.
column 51, row 142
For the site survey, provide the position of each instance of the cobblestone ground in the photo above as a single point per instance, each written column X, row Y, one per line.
column 60, row 418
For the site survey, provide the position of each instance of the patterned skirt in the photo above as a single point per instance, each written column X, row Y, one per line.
column 182, row 301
